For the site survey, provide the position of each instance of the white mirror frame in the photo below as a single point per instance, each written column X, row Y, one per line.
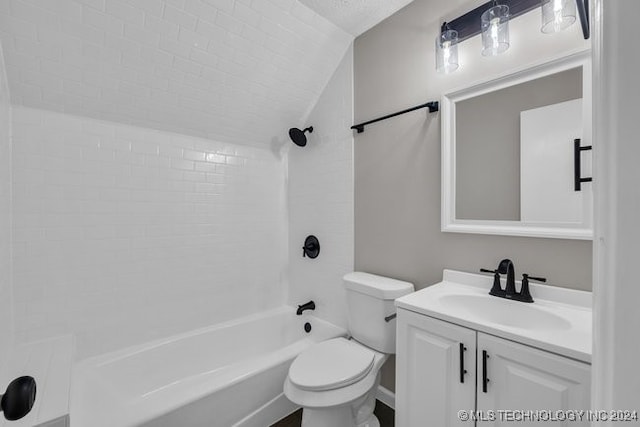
column 449, row 223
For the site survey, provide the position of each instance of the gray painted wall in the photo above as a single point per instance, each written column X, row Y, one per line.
column 488, row 144
column 397, row 162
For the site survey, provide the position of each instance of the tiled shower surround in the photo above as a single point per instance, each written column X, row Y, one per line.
column 152, row 186
column 6, row 327
column 125, row 234
column 320, row 188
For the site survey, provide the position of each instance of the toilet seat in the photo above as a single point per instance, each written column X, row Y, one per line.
column 330, row 365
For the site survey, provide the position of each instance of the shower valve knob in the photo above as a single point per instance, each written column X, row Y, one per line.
column 311, row 247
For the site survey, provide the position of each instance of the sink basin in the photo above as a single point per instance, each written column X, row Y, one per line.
column 504, row 312
column 558, row 321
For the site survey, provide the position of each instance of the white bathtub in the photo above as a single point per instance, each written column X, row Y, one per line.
column 226, row 375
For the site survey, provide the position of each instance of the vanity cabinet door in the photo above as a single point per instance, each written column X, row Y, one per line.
column 523, row 378
column 429, row 388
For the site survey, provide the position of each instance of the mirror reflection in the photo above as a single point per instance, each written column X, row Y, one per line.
column 507, row 138
column 514, row 150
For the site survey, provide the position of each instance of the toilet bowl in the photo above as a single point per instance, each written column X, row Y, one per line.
column 336, row 381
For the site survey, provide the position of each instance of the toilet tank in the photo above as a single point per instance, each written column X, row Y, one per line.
column 369, row 300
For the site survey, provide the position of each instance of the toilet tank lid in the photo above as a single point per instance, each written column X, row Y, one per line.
column 377, row 286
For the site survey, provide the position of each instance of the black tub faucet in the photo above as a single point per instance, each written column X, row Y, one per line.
column 308, row 306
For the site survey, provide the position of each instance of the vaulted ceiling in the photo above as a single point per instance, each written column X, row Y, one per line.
column 240, row 71
column 356, row 16
column 235, row 70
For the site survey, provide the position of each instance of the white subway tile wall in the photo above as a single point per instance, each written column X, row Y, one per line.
column 146, row 183
column 240, row 71
column 321, row 200
column 125, row 234
column 6, row 295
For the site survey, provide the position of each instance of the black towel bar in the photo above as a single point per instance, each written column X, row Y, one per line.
column 433, row 106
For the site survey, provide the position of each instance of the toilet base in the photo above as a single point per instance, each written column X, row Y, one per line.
column 371, row 422
column 334, row 417
column 355, row 414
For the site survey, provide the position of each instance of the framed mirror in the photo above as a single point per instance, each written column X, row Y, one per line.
column 516, row 153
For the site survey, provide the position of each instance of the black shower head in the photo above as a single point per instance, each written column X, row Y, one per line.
column 298, row 136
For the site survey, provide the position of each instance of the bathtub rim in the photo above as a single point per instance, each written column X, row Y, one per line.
column 122, row 353
column 141, row 411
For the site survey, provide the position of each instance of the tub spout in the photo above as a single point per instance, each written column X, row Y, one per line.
column 308, row 306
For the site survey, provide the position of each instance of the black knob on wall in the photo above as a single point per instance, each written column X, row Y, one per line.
column 19, row 398
column 311, row 247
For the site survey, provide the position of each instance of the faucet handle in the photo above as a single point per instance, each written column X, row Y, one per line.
column 525, row 295
column 496, row 289
column 311, row 247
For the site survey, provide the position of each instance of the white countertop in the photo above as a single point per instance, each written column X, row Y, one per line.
column 563, row 322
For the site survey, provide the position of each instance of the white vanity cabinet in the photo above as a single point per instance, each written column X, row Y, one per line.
column 524, row 378
column 430, row 389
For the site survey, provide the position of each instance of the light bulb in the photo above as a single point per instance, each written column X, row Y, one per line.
column 446, row 51
column 494, row 32
column 557, row 13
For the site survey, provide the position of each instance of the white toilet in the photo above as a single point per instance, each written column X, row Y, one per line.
column 335, row 381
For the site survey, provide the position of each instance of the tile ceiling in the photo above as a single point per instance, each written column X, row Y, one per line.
column 239, row 71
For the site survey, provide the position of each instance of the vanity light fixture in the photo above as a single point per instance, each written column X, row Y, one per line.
column 447, row 50
column 557, row 15
column 492, row 21
column 495, row 30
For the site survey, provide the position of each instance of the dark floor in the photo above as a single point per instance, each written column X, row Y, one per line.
column 382, row 411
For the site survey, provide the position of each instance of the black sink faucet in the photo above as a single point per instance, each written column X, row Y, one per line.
column 506, row 267
column 308, row 306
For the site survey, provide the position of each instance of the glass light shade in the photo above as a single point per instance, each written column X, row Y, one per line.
column 557, row 15
column 495, row 30
column 447, row 51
